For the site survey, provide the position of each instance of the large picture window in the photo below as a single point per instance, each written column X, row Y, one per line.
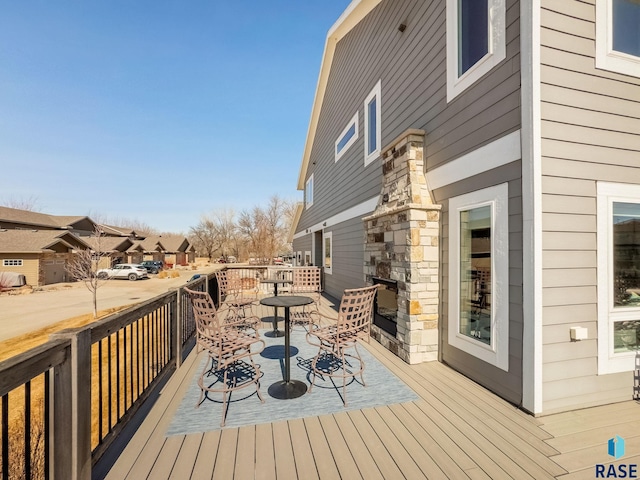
column 475, row 41
column 479, row 274
column 618, row 276
column 618, row 36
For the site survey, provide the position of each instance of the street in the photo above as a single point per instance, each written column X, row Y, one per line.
column 20, row 314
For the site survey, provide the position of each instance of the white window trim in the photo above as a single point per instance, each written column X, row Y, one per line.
column 7, row 262
column 497, row 197
column 329, row 235
column 352, row 140
column 307, row 253
column 377, row 94
column 308, row 192
column 608, row 361
column 606, row 57
column 497, row 47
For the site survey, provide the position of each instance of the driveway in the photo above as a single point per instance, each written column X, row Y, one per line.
column 20, row 314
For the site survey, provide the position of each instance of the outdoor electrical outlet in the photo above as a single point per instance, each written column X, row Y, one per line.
column 579, row 333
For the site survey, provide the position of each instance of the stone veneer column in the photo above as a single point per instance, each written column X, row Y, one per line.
column 402, row 244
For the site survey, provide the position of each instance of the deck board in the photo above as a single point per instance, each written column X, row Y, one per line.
column 303, row 454
column 456, row 429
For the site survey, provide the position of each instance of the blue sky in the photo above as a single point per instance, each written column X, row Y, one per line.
column 158, row 111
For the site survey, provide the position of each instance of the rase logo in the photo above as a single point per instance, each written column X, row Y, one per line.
column 615, row 448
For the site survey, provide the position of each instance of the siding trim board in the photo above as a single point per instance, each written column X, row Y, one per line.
column 492, row 155
column 357, row 211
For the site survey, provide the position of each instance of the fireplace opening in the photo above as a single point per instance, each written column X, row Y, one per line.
column 385, row 307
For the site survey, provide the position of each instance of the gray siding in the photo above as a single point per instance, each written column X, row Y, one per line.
column 506, row 384
column 348, row 258
column 590, row 132
column 412, row 69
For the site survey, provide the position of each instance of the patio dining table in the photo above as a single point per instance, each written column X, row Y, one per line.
column 275, row 282
column 287, row 388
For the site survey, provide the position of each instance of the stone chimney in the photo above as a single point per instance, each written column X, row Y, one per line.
column 402, row 245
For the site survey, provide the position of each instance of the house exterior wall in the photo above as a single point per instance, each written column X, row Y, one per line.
column 590, row 134
column 29, row 268
column 411, row 67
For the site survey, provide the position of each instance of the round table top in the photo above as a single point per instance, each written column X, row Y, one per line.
column 273, row 280
column 286, row 301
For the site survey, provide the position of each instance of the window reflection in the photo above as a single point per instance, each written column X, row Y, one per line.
column 475, row 273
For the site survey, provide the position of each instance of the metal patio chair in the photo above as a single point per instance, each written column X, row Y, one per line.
column 230, row 349
column 236, row 292
column 338, row 355
column 307, row 282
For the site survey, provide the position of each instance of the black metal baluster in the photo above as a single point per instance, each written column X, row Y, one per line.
column 27, row 429
column 5, row 436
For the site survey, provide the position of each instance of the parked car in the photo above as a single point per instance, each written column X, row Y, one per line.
column 132, row 271
column 153, row 266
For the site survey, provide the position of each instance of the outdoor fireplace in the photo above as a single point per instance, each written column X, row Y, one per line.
column 385, row 307
column 402, row 254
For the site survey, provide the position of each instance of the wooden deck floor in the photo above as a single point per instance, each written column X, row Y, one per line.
column 456, row 430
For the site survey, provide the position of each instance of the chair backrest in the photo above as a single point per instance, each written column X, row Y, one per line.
column 306, row 280
column 356, row 308
column 204, row 311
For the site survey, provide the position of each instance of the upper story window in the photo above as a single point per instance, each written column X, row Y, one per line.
column 12, row 263
column 475, row 41
column 372, row 124
column 618, row 36
column 347, row 138
column 308, row 192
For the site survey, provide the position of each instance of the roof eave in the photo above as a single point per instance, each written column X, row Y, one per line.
column 354, row 13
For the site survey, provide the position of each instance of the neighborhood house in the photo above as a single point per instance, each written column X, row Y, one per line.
column 40, row 246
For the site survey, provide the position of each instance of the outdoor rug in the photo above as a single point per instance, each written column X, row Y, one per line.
column 382, row 388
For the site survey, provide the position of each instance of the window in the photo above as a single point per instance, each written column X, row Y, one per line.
column 618, row 276
column 347, row 138
column 12, row 263
column 618, row 36
column 307, row 258
column 479, row 274
column 327, row 251
column 475, row 41
column 372, row 126
column 308, row 192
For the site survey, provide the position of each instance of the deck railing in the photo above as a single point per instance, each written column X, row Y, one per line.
column 64, row 402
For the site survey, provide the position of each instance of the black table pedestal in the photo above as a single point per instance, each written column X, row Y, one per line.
column 287, row 389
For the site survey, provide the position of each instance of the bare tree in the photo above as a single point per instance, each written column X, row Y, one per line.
column 131, row 223
column 85, row 265
column 265, row 229
column 216, row 231
column 29, row 203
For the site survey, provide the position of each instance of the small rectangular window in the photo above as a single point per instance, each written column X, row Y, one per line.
column 327, row 252
column 372, row 127
column 12, row 263
column 626, row 27
column 618, row 36
column 473, row 33
column 308, row 192
column 476, row 41
column 347, row 138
